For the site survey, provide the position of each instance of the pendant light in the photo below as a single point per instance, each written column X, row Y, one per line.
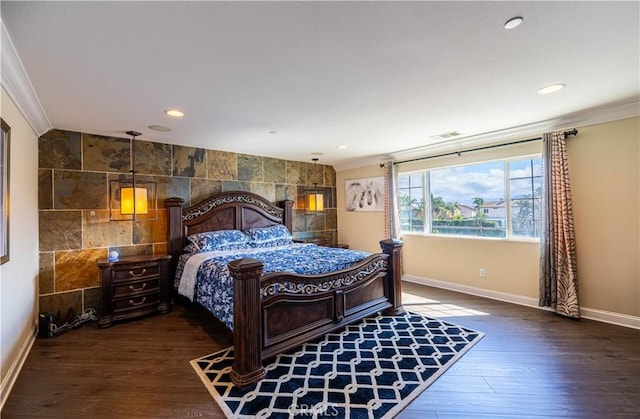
column 130, row 198
column 315, row 200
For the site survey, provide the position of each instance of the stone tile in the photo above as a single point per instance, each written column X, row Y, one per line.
column 275, row 170
column 234, row 185
column 250, row 168
column 60, row 150
column 316, row 222
column 329, row 176
column 202, row 189
column 59, row 304
column 296, row 172
column 151, row 231
column 105, row 154
column 315, row 174
column 152, row 158
column 171, row 187
column 80, row 190
column 45, row 189
column 144, row 249
column 299, row 220
column 265, row 190
column 60, row 230
column 99, row 231
column 331, row 218
column 189, row 161
column 286, row 192
column 222, row 165
column 92, row 298
column 77, row 269
column 45, row 275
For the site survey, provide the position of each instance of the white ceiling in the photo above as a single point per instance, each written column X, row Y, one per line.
column 378, row 77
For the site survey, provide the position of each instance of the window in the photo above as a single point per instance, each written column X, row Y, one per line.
column 491, row 199
column 411, row 201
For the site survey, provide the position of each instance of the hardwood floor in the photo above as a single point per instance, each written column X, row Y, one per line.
column 530, row 364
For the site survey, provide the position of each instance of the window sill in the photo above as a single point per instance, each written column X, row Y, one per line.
column 444, row 236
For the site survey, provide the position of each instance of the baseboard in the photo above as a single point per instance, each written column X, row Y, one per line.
column 12, row 373
column 618, row 319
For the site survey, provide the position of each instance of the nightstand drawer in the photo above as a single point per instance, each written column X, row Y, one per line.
column 133, row 288
column 136, row 302
column 127, row 273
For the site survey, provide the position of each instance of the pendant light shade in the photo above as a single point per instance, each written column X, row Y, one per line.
column 133, row 201
column 130, row 198
column 316, row 201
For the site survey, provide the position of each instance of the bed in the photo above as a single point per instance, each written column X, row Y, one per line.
column 277, row 311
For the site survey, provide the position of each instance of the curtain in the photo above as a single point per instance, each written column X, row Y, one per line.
column 391, row 213
column 558, row 267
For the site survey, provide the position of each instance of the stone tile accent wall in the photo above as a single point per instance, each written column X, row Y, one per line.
column 74, row 225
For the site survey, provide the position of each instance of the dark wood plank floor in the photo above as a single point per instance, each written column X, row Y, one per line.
column 530, row 364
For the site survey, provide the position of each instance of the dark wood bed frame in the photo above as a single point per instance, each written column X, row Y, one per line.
column 279, row 311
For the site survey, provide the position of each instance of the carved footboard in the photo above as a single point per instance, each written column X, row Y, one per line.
column 280, row 311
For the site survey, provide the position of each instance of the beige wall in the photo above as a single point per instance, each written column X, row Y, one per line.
column 603, row 164
column 18, row 277
column 605, row 185
column 360, row 230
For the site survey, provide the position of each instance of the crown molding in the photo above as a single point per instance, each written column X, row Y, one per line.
column 15, row 81
column 612, row 112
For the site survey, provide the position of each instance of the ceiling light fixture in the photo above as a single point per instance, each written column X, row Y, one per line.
column 174, row 112
column 160, row 128
column 514, row 22
column 551, row 88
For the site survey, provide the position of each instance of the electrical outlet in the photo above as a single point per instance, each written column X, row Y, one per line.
column 483, row 273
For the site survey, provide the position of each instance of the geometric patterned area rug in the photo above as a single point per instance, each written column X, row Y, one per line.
column 370, row 369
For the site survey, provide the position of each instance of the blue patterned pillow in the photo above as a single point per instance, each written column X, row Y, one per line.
column 219, row 240
column 276, row 235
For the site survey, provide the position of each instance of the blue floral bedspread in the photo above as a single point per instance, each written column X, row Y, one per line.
column 207, row 279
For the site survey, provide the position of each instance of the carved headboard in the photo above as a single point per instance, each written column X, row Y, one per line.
column 234, row 210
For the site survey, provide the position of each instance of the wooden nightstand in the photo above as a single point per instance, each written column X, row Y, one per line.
column 134, row 286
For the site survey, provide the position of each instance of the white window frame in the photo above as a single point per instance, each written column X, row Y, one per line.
column 428, row 228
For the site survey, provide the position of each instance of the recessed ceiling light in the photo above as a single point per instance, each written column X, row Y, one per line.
column 174, row 112
column 514, row 22
column 341, row 147
column 160, row 128
column 551, row 88
column 317, row 153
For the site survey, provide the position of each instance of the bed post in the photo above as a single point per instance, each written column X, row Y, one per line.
column 174, row 230
column 393, row 248
column 287, row 218
column 247, row 324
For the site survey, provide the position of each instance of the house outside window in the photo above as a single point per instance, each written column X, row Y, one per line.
column 498, row 199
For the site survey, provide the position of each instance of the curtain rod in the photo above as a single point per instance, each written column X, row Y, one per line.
column 452, row 153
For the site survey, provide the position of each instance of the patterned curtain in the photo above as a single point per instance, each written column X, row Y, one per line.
column 558, row 267
column 391, row 213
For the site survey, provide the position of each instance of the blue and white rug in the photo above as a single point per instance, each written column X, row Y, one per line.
column 371, row 369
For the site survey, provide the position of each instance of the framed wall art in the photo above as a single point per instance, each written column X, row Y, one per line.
column 5, row 138
column 365, row 194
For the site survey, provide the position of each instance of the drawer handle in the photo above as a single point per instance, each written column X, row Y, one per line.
column 140, row 274
column 132, row 303
column 132, row 288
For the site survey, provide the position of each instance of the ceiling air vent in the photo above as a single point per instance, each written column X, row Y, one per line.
column 445, row 136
